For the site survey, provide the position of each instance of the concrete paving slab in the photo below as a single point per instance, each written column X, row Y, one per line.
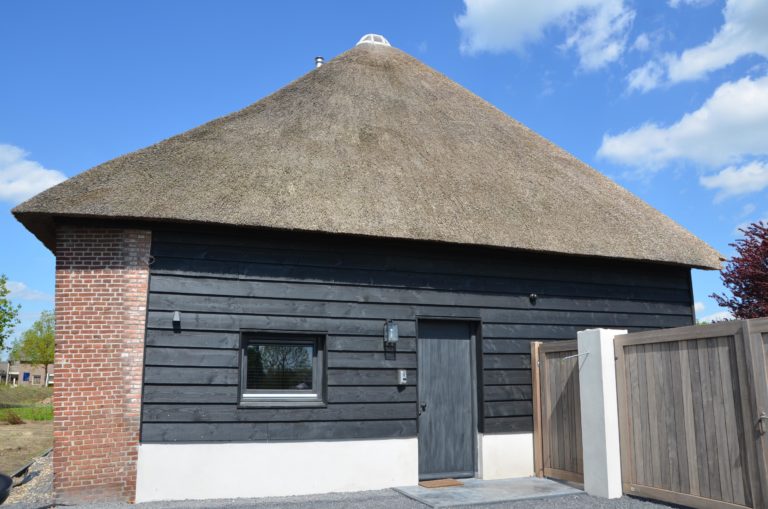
column 480, row 492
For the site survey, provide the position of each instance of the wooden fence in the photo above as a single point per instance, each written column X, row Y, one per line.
column 692, row 414
column 557, row 412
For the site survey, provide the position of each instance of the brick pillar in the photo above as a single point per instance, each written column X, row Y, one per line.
column 101, row 302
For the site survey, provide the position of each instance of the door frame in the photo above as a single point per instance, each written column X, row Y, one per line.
column 476, row 367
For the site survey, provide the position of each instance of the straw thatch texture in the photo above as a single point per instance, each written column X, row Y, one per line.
column 376, row 143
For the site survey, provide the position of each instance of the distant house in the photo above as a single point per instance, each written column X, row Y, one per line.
column 20, row 373
column 334, row 289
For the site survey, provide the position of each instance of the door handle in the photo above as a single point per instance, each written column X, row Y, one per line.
column 423, row 408
column 761, row 423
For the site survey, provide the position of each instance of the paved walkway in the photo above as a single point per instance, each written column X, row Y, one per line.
column 384, row 499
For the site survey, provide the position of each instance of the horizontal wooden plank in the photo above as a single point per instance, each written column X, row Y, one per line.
column 190, row 394
column 506, row 345
column 507, row 361
column 371, row 394
column 302, row 290
column 191, row 357
column 679, row 499
column 368, row 344
column 394, row 279
column 338, row 310
column 507, row 393
column 228, row 394
column 497, row 425
column 389, row 258
column 193, row 376
column 506, row 377
column 264, row 431
column 507, row 408
column 235, row 323
column 558, row 332
column 230, row 340
column 193, row 339
column 361, row 377
column 230, row 413
column 371, row 360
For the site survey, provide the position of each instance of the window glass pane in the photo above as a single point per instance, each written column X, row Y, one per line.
column 275, row 366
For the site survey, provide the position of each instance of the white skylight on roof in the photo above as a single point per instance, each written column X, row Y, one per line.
column 373, row 39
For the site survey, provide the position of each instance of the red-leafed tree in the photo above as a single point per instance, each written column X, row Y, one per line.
column 746, row 274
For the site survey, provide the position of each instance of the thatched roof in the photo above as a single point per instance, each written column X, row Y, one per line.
column 376, row 143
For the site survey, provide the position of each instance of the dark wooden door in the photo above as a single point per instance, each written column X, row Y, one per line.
column 446, row 403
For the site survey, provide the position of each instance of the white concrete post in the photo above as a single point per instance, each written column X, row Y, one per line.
column 599, row 413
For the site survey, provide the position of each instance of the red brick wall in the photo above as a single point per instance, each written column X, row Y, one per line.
column 101, row 298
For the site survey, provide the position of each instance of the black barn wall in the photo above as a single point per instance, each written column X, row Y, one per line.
column 222, row 282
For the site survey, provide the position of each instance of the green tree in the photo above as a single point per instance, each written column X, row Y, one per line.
column 36, row 344
column 9, row 313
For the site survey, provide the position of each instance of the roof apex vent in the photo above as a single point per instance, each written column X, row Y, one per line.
column 373, row 39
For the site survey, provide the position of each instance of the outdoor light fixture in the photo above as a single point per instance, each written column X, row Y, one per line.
column 176, row 321
column 533, row 298
column 391, row 334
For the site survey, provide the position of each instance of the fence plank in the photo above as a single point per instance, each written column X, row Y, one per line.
column 732, row 431
column 690, row 433
column 536, row 394
column 653, row 414
column 646, row 450
column 699, row 422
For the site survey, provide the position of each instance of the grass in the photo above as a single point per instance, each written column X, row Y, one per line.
column 24, row 395
column 21, row 444
column 28, row 413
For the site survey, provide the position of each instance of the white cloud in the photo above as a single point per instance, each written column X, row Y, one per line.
column 596, row 29
column 742, row 33
column 698, row 307
column 645, row 78
column 734, row 181
column 717, row 317
column 21, row 178
column 730, row 126
column 642, row 43
column 21, row 291
column 695, row 3
column 747, row 209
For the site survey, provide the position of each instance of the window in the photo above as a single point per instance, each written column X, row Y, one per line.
column 283, row 369
column 36, row 379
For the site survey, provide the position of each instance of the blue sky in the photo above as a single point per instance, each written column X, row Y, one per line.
column 667, row 97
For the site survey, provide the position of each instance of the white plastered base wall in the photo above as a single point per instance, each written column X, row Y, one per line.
column 244, row 470
column 505, row 456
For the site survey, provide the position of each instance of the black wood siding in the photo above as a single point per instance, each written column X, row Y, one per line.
column 222, row 282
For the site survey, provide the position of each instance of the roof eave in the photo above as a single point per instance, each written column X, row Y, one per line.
column 43, row 225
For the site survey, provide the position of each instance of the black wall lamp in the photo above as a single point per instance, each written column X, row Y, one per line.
column 176, row 321
column 391, row 332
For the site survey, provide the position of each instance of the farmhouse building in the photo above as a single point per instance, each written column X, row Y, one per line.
column 334, row 289
column 23, row 373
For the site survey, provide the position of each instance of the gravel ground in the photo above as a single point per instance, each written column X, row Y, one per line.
column 36, row 493
column 384, row 499
column 37, row 488
column 388, row 499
